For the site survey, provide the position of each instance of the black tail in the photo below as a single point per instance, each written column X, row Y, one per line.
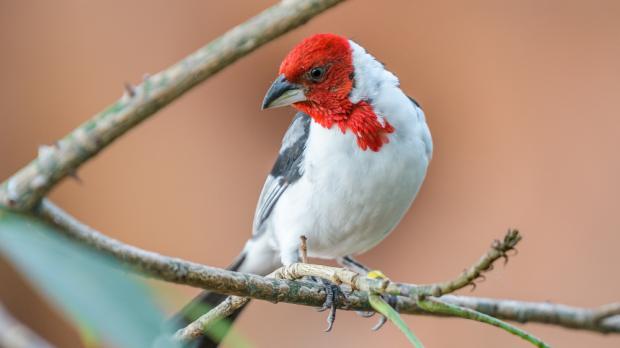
column 199, row 306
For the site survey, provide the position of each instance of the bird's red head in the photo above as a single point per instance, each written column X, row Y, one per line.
column 322, row 64
column 316, row 77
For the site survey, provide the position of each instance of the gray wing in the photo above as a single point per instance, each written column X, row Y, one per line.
column 285, row 171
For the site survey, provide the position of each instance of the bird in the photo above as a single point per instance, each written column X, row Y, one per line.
column 350, row 165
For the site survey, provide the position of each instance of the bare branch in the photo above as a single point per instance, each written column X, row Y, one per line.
column 223, row 310
column 25, row 188
column 499, row 249
column 14, row 334
column 544, row 312
column 310, row 294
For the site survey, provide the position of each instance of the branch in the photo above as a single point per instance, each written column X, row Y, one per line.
column 25, row 188
column 197, row 328
column 14, row 334
column 379, row 285
column 179, row 271
column 499, row 249
column 592, row 319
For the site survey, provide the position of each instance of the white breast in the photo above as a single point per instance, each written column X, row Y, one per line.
column 349, row 199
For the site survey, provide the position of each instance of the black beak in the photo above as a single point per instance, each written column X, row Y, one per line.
column 283, row 93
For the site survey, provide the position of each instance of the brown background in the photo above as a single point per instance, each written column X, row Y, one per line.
column 521, row 97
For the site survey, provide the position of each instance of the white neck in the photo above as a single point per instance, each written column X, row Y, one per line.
column 370, row 75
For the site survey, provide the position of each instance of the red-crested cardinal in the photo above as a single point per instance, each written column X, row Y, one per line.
column 350, row 165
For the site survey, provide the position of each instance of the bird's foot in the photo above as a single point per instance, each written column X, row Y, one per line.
column 334, row 296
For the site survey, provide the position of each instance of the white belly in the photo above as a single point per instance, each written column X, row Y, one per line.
column 348, row 199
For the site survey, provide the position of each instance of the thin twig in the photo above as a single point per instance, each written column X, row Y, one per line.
column 197, row 328
column 499, row 249
column 306, row 293
column 14, row 334
column 24, row 189
column 226, row 308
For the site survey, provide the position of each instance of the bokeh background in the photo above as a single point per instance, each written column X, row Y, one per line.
column 522, row 98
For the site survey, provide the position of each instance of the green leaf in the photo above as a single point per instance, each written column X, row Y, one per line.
column 377, row 302
column 436, row 305
column 90, row 288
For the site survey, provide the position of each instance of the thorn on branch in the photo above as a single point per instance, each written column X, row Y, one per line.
column 130, row 90
column 74, row 175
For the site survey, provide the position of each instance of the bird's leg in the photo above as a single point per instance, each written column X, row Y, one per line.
column 333, row 296
column 356, row 266
column 332, row 291
column 303, row 249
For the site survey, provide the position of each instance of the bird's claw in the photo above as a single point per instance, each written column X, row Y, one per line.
column 330, row 300
column 392, row 300
column 333, row 293
column 380, row 323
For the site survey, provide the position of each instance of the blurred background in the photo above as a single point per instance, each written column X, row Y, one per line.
column 521, row 98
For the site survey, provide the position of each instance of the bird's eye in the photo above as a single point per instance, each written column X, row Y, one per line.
column 316, row 74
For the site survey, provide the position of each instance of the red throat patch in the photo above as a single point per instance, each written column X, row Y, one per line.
column 361, row 120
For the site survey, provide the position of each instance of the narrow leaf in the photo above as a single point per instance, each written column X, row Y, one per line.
column 377, row 302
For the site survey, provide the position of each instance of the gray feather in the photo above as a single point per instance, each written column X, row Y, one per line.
column 286, row 171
